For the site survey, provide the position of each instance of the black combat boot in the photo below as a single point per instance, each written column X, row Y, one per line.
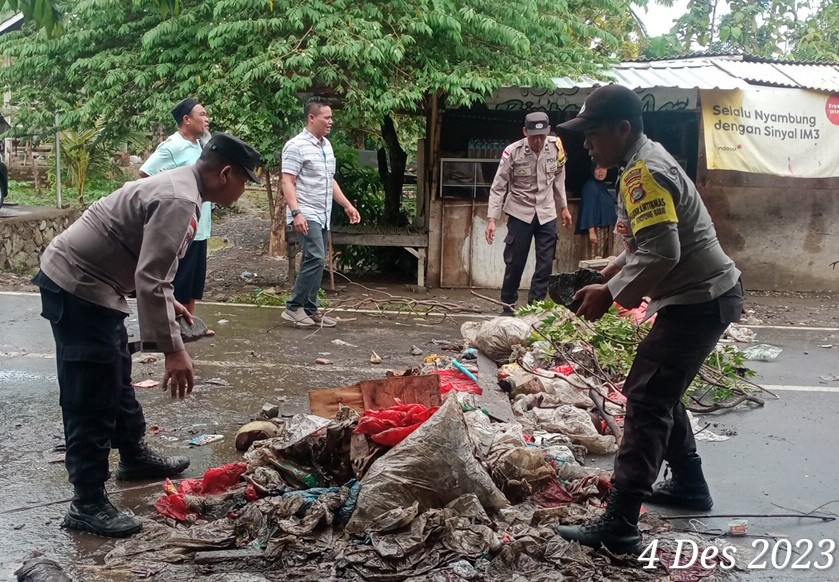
column 687, row 488
column 139, row 463
column 93, row 512
column 617, row 528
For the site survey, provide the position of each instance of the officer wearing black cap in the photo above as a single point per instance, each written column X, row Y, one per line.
column 127, row 242
column 674, row 258
column 529, row 187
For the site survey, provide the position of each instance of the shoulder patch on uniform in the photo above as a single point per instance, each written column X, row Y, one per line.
column 561, row 158
column 647, row 202
column 505, row 156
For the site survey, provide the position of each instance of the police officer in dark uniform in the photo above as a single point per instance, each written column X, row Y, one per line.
column 128, row 242
column 673, row 256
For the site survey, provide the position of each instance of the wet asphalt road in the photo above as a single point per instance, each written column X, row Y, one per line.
column 782, row 454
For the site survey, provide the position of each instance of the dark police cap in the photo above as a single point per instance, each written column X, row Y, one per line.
column 537, row 123
column 184, row 107
column 235, row 151
column 606, row 104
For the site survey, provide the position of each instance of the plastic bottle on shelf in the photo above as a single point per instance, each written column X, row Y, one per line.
column 471, row 149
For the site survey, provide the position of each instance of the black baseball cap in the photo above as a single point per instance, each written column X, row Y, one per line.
column 236, row 151
column 537, row 123
column 184, row 107
column 606, row 104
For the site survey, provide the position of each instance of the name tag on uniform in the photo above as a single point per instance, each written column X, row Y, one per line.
column 551, row 165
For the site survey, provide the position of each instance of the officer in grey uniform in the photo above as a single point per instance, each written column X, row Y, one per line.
column 672, row 256
column 128, row 242
column 529, row 187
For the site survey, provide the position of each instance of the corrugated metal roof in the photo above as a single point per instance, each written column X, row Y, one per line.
column 679, row 74
column 821, row 77
column 13, row 23
column 713, row 72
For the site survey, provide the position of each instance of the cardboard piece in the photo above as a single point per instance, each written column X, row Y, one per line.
column 377, row 394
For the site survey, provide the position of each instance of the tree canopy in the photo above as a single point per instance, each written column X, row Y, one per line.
column 251, row 61
column 798, row 29
column 48, row 14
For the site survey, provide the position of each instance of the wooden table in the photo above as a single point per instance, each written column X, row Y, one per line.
column 414, row 242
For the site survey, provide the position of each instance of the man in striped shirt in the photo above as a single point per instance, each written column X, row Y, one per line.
column 309, row 188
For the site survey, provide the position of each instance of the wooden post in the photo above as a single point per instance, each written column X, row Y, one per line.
column 331, row 258
column 269, row 192
column 277, row 245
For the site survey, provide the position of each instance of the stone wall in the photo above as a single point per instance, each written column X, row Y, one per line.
column 24, row 238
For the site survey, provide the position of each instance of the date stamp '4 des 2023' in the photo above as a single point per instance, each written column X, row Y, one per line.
column 766, row 554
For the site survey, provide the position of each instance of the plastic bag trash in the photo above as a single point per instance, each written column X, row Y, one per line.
column 515, row 467
column 390, row 426
column 458, row 381
column 559, row 454
column 205, row 439
column 431, row 467
column 37, row 568
column 576, row 424
column 638, row 314
column 214, row 482
column 308, row 441
column 497, row 337
column 563, row 391
column 463, row 569
column 310, row 496
column 761, row 353
column 703, row 434
column 741, row 334
column 461, row 527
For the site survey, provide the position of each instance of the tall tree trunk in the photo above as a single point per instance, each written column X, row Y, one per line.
column 277, row 246
column 392, row 161
column 270, row 193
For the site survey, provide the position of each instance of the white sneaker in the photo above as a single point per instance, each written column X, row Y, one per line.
column 298, row 317
column 322, row 320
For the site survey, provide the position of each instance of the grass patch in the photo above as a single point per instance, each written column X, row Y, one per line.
column 261, row 298
column 24, row 193
column 216, row 243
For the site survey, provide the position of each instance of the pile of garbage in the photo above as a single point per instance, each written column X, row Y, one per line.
column 444, row 492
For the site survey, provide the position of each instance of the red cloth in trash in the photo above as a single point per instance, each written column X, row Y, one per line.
column 565, row 369
column 553, row 494
column 458, row 381
column 638, row 314
column 390, row 426
column 216, row 480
